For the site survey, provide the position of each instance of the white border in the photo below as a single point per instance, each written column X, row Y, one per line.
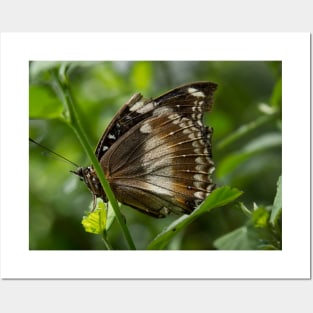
column 292, row 262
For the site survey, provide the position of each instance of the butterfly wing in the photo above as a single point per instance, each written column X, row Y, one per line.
column 163, row 164
column 181, row 99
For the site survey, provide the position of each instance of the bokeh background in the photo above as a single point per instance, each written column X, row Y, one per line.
column 246, row 145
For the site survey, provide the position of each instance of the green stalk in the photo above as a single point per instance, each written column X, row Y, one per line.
column 245, row 129
column 64, row 93
column 106, row 241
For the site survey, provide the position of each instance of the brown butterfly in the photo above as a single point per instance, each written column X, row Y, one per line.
column 156, row 153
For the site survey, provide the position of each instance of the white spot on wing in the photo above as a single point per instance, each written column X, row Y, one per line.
column 137, row 106
column 164, row 211
column 199, row 195
column 195, row 92
column 162, row 110
column 146, row 128
column 142, row 107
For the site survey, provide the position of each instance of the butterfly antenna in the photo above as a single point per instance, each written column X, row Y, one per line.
column 54, row 153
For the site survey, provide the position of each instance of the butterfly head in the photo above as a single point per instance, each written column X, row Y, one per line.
column 89, row 177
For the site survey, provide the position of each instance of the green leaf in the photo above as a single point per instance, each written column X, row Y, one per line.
column 110, row 216
column 259, row 144
column 44, row 103
column 219, row 197
column 277, row 205
column 244, row 130
column 264, row 142
column 240, row 239
column 245, row 210
column 260, row 217
column 228, row 164
column 256, row 234
column 95, row 221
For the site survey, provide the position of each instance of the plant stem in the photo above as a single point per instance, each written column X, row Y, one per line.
column 72, row 118
column 105, row 241
column 243, row 130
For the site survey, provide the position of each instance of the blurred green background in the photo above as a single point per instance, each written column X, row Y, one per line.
column 246, row 145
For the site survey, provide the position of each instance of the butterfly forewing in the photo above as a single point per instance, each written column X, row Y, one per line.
column 156, row 154
column 190, row 100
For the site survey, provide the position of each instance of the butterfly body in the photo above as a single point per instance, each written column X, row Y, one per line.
column 156, row 153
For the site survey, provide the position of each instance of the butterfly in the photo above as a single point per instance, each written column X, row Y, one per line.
column 156, row 153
